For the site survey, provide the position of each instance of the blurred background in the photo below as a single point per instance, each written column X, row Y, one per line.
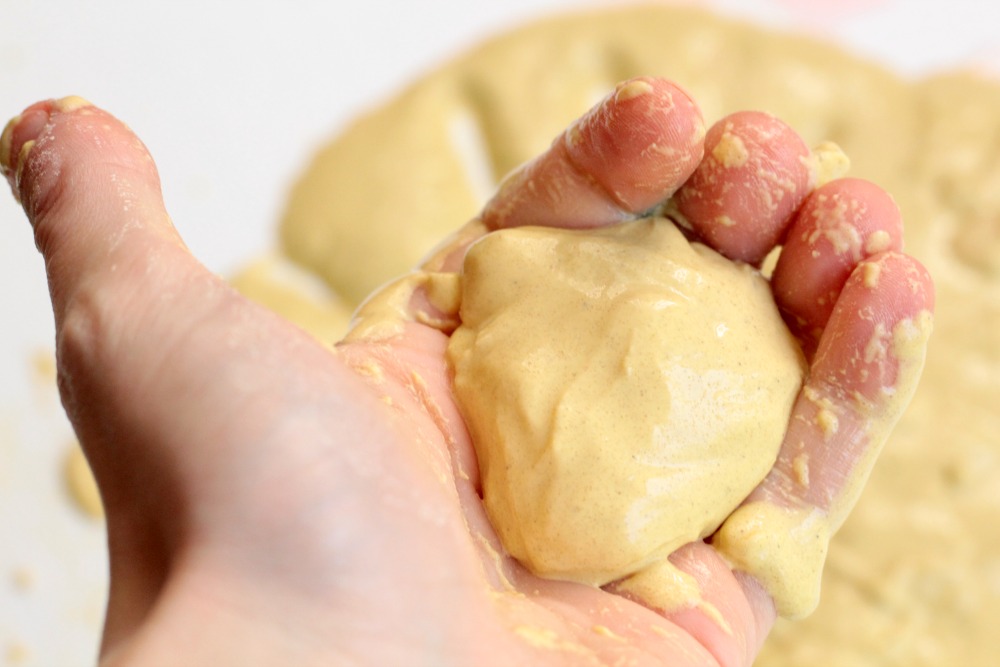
column 233, row 98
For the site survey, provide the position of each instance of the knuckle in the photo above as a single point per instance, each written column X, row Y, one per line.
column 85, row 335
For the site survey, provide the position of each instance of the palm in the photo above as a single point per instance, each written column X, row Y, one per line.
column 434, row 567
column 558, row 621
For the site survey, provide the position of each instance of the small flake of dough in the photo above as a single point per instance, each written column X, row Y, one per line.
column 625, row 391
column 828, row 163
column 730, row 152
column 81, row 485
column 872, row 272
column 17, row 653
column 43, row 365
column 23, row 579
column 878, row 241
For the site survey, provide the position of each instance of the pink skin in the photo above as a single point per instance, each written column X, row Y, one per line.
column 842, row 371
column 836, row 228
column 268, row 502
column 742, row 204
column 622, row 157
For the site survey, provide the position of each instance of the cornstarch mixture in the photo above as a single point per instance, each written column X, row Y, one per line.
column 625, row 391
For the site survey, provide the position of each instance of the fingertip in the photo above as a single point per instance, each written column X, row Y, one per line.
column 624, row 156
column 873, row 346
column 92, row 194
column 23, row 130
column 839, row 224
column 754, row 175
column 641, row 143
column 68, row 151
column 894, row 283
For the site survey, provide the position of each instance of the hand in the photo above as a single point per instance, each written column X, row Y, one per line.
column 271, row 502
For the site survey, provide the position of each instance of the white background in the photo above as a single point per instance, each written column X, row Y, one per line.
column 232, row 98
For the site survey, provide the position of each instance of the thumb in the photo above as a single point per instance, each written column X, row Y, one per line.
column 92, row 195
column 125, row 291
column 160, row 362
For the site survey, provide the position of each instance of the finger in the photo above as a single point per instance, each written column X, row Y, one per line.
column 729, row 613
column 754, row 175
column 840, row 224
column 92, row 196
column 45, row 152
column 626, row 155
column 865, row 372
column 79, row 201
column 145, row 338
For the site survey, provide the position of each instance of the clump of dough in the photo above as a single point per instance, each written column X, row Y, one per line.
column 625, row 390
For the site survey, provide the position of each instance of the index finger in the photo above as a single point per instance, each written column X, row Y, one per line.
column 626, row 155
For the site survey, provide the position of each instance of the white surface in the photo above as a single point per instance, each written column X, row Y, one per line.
column 232, row 98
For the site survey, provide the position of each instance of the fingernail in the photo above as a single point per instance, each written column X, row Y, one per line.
column 12, row 158
column 16, row 143
column 6, row 141
column 22, row 158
